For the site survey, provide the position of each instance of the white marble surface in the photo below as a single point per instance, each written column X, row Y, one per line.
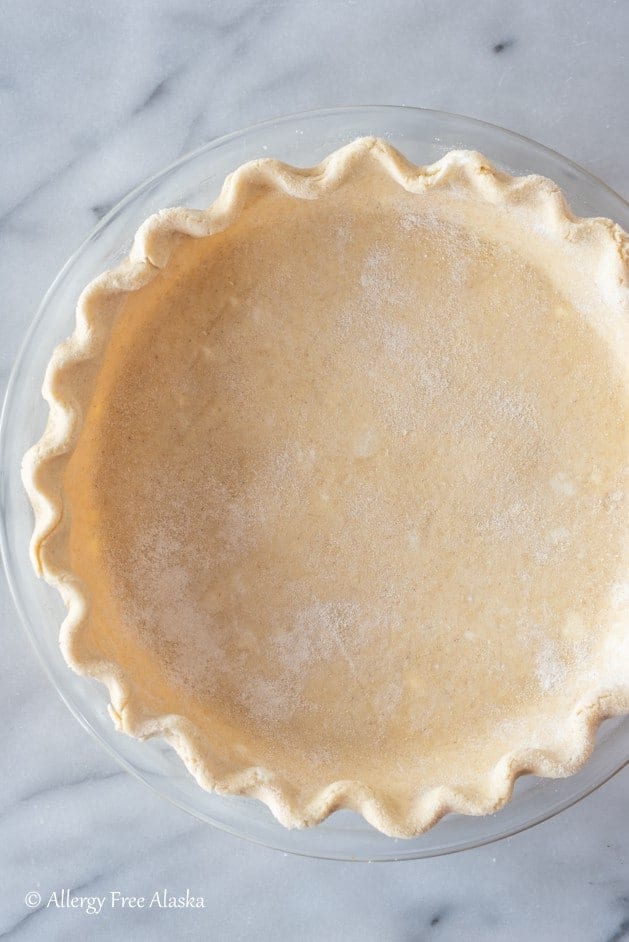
column 93, row 98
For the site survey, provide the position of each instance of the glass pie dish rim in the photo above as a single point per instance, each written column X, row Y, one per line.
column 383, row 847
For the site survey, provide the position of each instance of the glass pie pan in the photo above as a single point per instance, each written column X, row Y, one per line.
column 195, row 180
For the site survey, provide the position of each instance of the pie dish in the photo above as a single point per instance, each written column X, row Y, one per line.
column 333, row 485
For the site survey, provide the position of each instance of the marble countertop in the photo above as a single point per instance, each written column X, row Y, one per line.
column 93, row 99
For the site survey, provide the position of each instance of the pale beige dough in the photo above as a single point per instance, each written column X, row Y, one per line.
column 349, row 494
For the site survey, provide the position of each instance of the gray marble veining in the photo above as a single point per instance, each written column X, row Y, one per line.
column 94, row 98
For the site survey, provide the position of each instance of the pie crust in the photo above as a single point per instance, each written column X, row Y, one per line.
column 334, row 485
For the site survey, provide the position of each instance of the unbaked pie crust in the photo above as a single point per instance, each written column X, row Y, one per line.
column 334, row 485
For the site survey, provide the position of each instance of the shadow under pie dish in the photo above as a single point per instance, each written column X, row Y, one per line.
column 334, row 481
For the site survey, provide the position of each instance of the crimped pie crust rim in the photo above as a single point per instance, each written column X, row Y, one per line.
column 44, row 465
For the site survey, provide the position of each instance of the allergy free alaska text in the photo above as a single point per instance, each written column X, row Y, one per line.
column 114, row 899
